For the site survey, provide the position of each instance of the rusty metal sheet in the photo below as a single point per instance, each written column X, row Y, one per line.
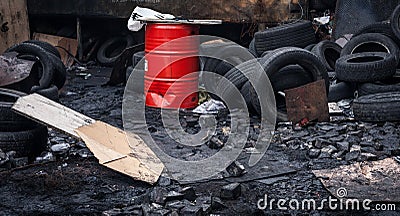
column 238, row 11
column 377, row 180
column 12, row 69
column 307, row 102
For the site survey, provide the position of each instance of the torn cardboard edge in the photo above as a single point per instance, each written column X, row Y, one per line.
column 115, row 149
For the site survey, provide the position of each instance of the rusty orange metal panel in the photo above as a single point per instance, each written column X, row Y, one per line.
column 308, row 102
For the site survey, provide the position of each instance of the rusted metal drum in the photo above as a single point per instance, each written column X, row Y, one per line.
column 171, row 70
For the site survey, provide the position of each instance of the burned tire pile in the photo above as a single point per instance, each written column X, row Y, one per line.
column 364, row 68
column 368, row 63
column 48, row 74
column 20, row 136
column 279, row 50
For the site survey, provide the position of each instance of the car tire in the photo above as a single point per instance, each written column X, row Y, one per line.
column 46, row 46
column 340, row 91
column 111, row 49
column 328, row 52
column 371, row 42
column 380, row 107
column 395, row 22
column 298, row 34
column 366, row 67
column 48, row 68
column 373, row 88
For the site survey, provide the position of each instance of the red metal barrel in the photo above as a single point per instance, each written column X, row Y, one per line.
column 168, row 63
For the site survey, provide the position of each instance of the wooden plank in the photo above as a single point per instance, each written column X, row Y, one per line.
column 127, row 154
column 67, row 44
column 51, row 113
column 14, row 24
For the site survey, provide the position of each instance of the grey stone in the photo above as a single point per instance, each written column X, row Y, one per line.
column 157, row 195
column 189, row 193
column 343, row 146
column 351, row 156
column 192, row 211
column 236, row 169
column 60, row 148
column 314, row 153
column 329, row 149
column 217, row 203
column 175, row 205
column 164, row 181
column 367, row 157
column 173, row 195
column 231, row 191
column 320, row 143
column 338, row 155
column 355, row 148
column 367, row 144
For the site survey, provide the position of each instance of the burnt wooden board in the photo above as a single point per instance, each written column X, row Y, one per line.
column 14, row 24
column 238, row 11
column 307, row 102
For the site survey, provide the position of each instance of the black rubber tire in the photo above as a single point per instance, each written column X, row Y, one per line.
column 298, row 34
column 50, row 93
column 246, row 93
column 137, row 57
column 288, row 77
column 340, row 91
column 366, row 67
column 383, row 28
column 395, row 22
column 45, row 59
column 373, row 88
column 328, row 52
column 252, row 47
column 238, row 77
column 9, row 120
column 309, row 47
column 108, row 59
column 371, row 42
column 46, row 46
column 229, row 54
column 280, row 58
column 309, row 62
column 29, row 142
column 60, row 73
column 381, row 107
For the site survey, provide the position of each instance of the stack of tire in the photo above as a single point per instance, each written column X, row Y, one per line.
column 370, row 61
column 48, row 74
column 137, row 72
column 17, row 133
column 280, row 51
